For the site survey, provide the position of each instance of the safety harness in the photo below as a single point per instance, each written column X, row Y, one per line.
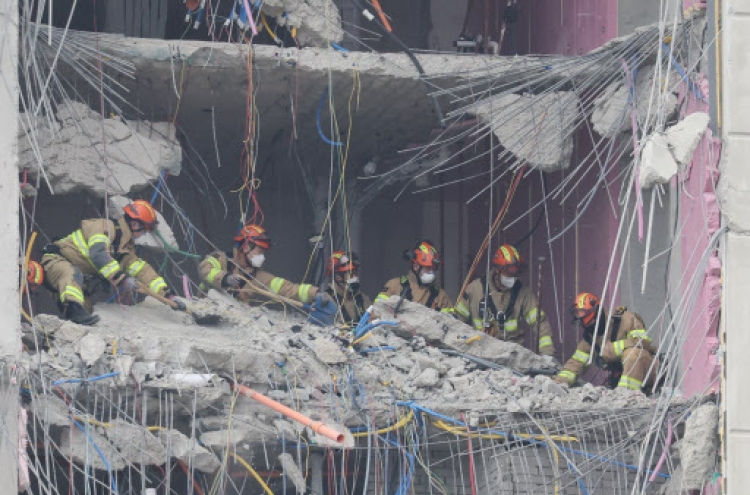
column 489, row 304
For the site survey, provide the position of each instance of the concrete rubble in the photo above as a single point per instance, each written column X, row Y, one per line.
column 308, row 368
column 317, row 21
column 664, row 154
column 698, row 450
column 545, row 120
column 76, row 142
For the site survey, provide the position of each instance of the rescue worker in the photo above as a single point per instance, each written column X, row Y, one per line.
column 628, row 349
column 34, row 277
column 346, row 289
column 510, row 307
column 103, row 250
column 419, row 284
column 234, row 270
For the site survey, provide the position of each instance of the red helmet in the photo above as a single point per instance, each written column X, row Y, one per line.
column 143, row 212
column 508, row 259
column 253, row 234
column 340, row 262
column 425, row 254
column 585, row 307
column 34, row 275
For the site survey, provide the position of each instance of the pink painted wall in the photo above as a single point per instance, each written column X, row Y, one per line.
column 700, row 219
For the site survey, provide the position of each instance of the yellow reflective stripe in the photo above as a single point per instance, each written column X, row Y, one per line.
column 276, row 284
column 619, row 347
column 96, row 238
column 639, row 333
column 448, row 310
column 215, row 269
column 630, row 383
column 136, row 267
column 581, row 357
column 463, row 310
column 478, row 323
column 78, row 240
column 157, row 284
column 110, row 268
column 73, row 292
column 545, row 341
column 511, row 325
column 531, row 316
column 568, row 375
column 304, row 292
column 382, row 296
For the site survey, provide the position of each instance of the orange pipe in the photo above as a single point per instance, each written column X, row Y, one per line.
column 382, row 16
column 316, row 426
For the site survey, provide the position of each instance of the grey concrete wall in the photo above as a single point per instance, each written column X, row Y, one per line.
column 632, row 14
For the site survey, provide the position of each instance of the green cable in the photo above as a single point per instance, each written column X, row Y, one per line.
column 173, row 249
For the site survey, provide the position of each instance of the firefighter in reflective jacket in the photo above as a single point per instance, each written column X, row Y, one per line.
column 103, row 249
column 627, row 352
column 234, row 270
column 509, row 307
column 344, row 268
column 419, row 284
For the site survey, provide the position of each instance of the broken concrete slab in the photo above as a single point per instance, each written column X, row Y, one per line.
column 135, row 443
column 189, row 451
column 80, row 446
column 82, row 151
column 657, row 165
column 292, row 472
column 90, row 348
column 535, row 128
column 684, row 136
column 329, row 352
column 699, row 447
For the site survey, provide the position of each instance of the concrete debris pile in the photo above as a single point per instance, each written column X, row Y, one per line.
column 545, row 121
column 313, row 370
column 82, row 151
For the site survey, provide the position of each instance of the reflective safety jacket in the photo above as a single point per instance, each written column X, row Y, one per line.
column 352, row 306
column 630, row 334
column 101, row 247
column 431, row 295
column 526, row 314
column 216, row 266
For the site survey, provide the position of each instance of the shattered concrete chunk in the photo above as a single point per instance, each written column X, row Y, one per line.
column 80, row 446
column 427, row 379
column 684, row 136
column 542, row 121
column 135, row 443
column 317, row 21
column 90, row 348
column 217, row 440
column 70, row 332
column 185, row 449
column 329, row 352
column 657, row 165
column 699, row 446
column 81, row 151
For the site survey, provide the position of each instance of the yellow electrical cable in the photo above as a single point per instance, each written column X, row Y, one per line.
column 553, row 447
column 294, row 32
column 252, row 472
column 96, row 422
column 268, row 28
column 395, row 426
column 462, row 432
column 365, row 336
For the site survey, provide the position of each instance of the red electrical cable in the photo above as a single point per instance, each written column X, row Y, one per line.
column 472, row 472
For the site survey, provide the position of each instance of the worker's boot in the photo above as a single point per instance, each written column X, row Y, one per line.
column 77, row 314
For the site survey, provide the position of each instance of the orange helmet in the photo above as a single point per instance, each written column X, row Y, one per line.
column 424, row 254
column 34, row 275
column 339, row 262
column 508, row 259
column 143, row 212
column 585, row 307
column 253, row 234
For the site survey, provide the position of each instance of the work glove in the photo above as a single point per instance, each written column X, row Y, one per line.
column 322, row 311
column 179, row 305
column 232, row 281
column 551, row 362
column 127, row 291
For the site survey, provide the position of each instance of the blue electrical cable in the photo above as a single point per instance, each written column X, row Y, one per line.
column 581, row 485
column 112, row 480
column 681, row 71
column 376, row 349
column 317, row 121
column 92, row 379
column 339, row 47
column 158, row 187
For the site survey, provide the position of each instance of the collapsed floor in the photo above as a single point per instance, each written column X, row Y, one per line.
column 148, row 386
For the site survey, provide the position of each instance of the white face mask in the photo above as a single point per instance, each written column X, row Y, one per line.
column 507, row 281
column 257, row 260
column 427, row 278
